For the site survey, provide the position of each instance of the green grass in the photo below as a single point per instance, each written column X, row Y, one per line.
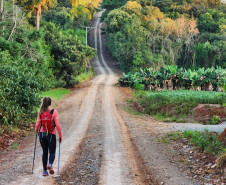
column 59, row 93
column 14, row 145
column 181, row 96
column 174, row 135
column 85, row 76
column 176, row 105
column 167, row 118
column 131, row 111
column 170, row 137
column 206, row 141
column 56, row 94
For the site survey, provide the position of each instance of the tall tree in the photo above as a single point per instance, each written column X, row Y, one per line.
column 2, row 10
column 36, row 6
column 45, row 4
column 75, row 3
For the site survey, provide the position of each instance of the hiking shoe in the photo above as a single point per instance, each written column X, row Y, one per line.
column 50, row 168
column 45, row 173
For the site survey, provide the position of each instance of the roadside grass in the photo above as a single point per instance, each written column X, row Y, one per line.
column 59, row 93
column 85, row 76
column 56, row 94
column 14, row 145
column 167, row 118
column 176, row 105
column 206, row 141
column 131, row 111
column 170, row 137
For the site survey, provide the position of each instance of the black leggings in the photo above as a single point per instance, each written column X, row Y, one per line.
column 47, row 143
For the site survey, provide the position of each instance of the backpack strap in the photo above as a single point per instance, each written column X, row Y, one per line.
column 51, row 112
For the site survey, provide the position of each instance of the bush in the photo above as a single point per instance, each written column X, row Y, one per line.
column 19, row 91
column 70, row 55
column 215, row 120
column 206, row 141
column 138, row 86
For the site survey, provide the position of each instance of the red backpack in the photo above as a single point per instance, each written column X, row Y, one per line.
column 48, row 123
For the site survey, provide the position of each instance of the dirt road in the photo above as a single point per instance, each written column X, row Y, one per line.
column 93, row 104
column 102, row 144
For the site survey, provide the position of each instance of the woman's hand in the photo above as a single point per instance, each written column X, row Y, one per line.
column 60, row 140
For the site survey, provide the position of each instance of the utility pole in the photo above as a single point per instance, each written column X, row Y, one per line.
column 88, row 29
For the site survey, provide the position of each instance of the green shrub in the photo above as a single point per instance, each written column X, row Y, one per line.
column 215, row 120
column 26, row 46
column 188, row 133
column 138, row 86
column 19, row 90
column 206, row 141
column 85, row 76
column 70, row 55
column 174, row 135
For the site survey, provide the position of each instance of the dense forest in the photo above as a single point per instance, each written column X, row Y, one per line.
column 144, row 33
column 42, row 46
column 172, row 52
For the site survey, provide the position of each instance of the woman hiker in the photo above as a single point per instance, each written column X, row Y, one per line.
column 48, row 120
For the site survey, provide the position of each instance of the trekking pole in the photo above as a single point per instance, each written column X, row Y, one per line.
column 34, row 153
column 58, row 163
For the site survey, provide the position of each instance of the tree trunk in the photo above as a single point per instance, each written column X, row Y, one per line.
column 2, row 10
column 38, row 16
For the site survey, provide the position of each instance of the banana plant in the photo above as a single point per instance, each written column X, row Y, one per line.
column 210, row 77
column 221, row 78
column 201, row 74
column 196, row 82
column 127, row 80
column 188, row 78
column 180, row 78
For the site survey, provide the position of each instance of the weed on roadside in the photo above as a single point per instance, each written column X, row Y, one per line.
column 206, row 141
column 214, row 121
column 170, row 137
column 174, row 135
column 162, row 140
column 14, row 145
column 131, row 111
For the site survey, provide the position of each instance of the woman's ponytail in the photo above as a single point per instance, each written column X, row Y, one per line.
column 46, row 102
